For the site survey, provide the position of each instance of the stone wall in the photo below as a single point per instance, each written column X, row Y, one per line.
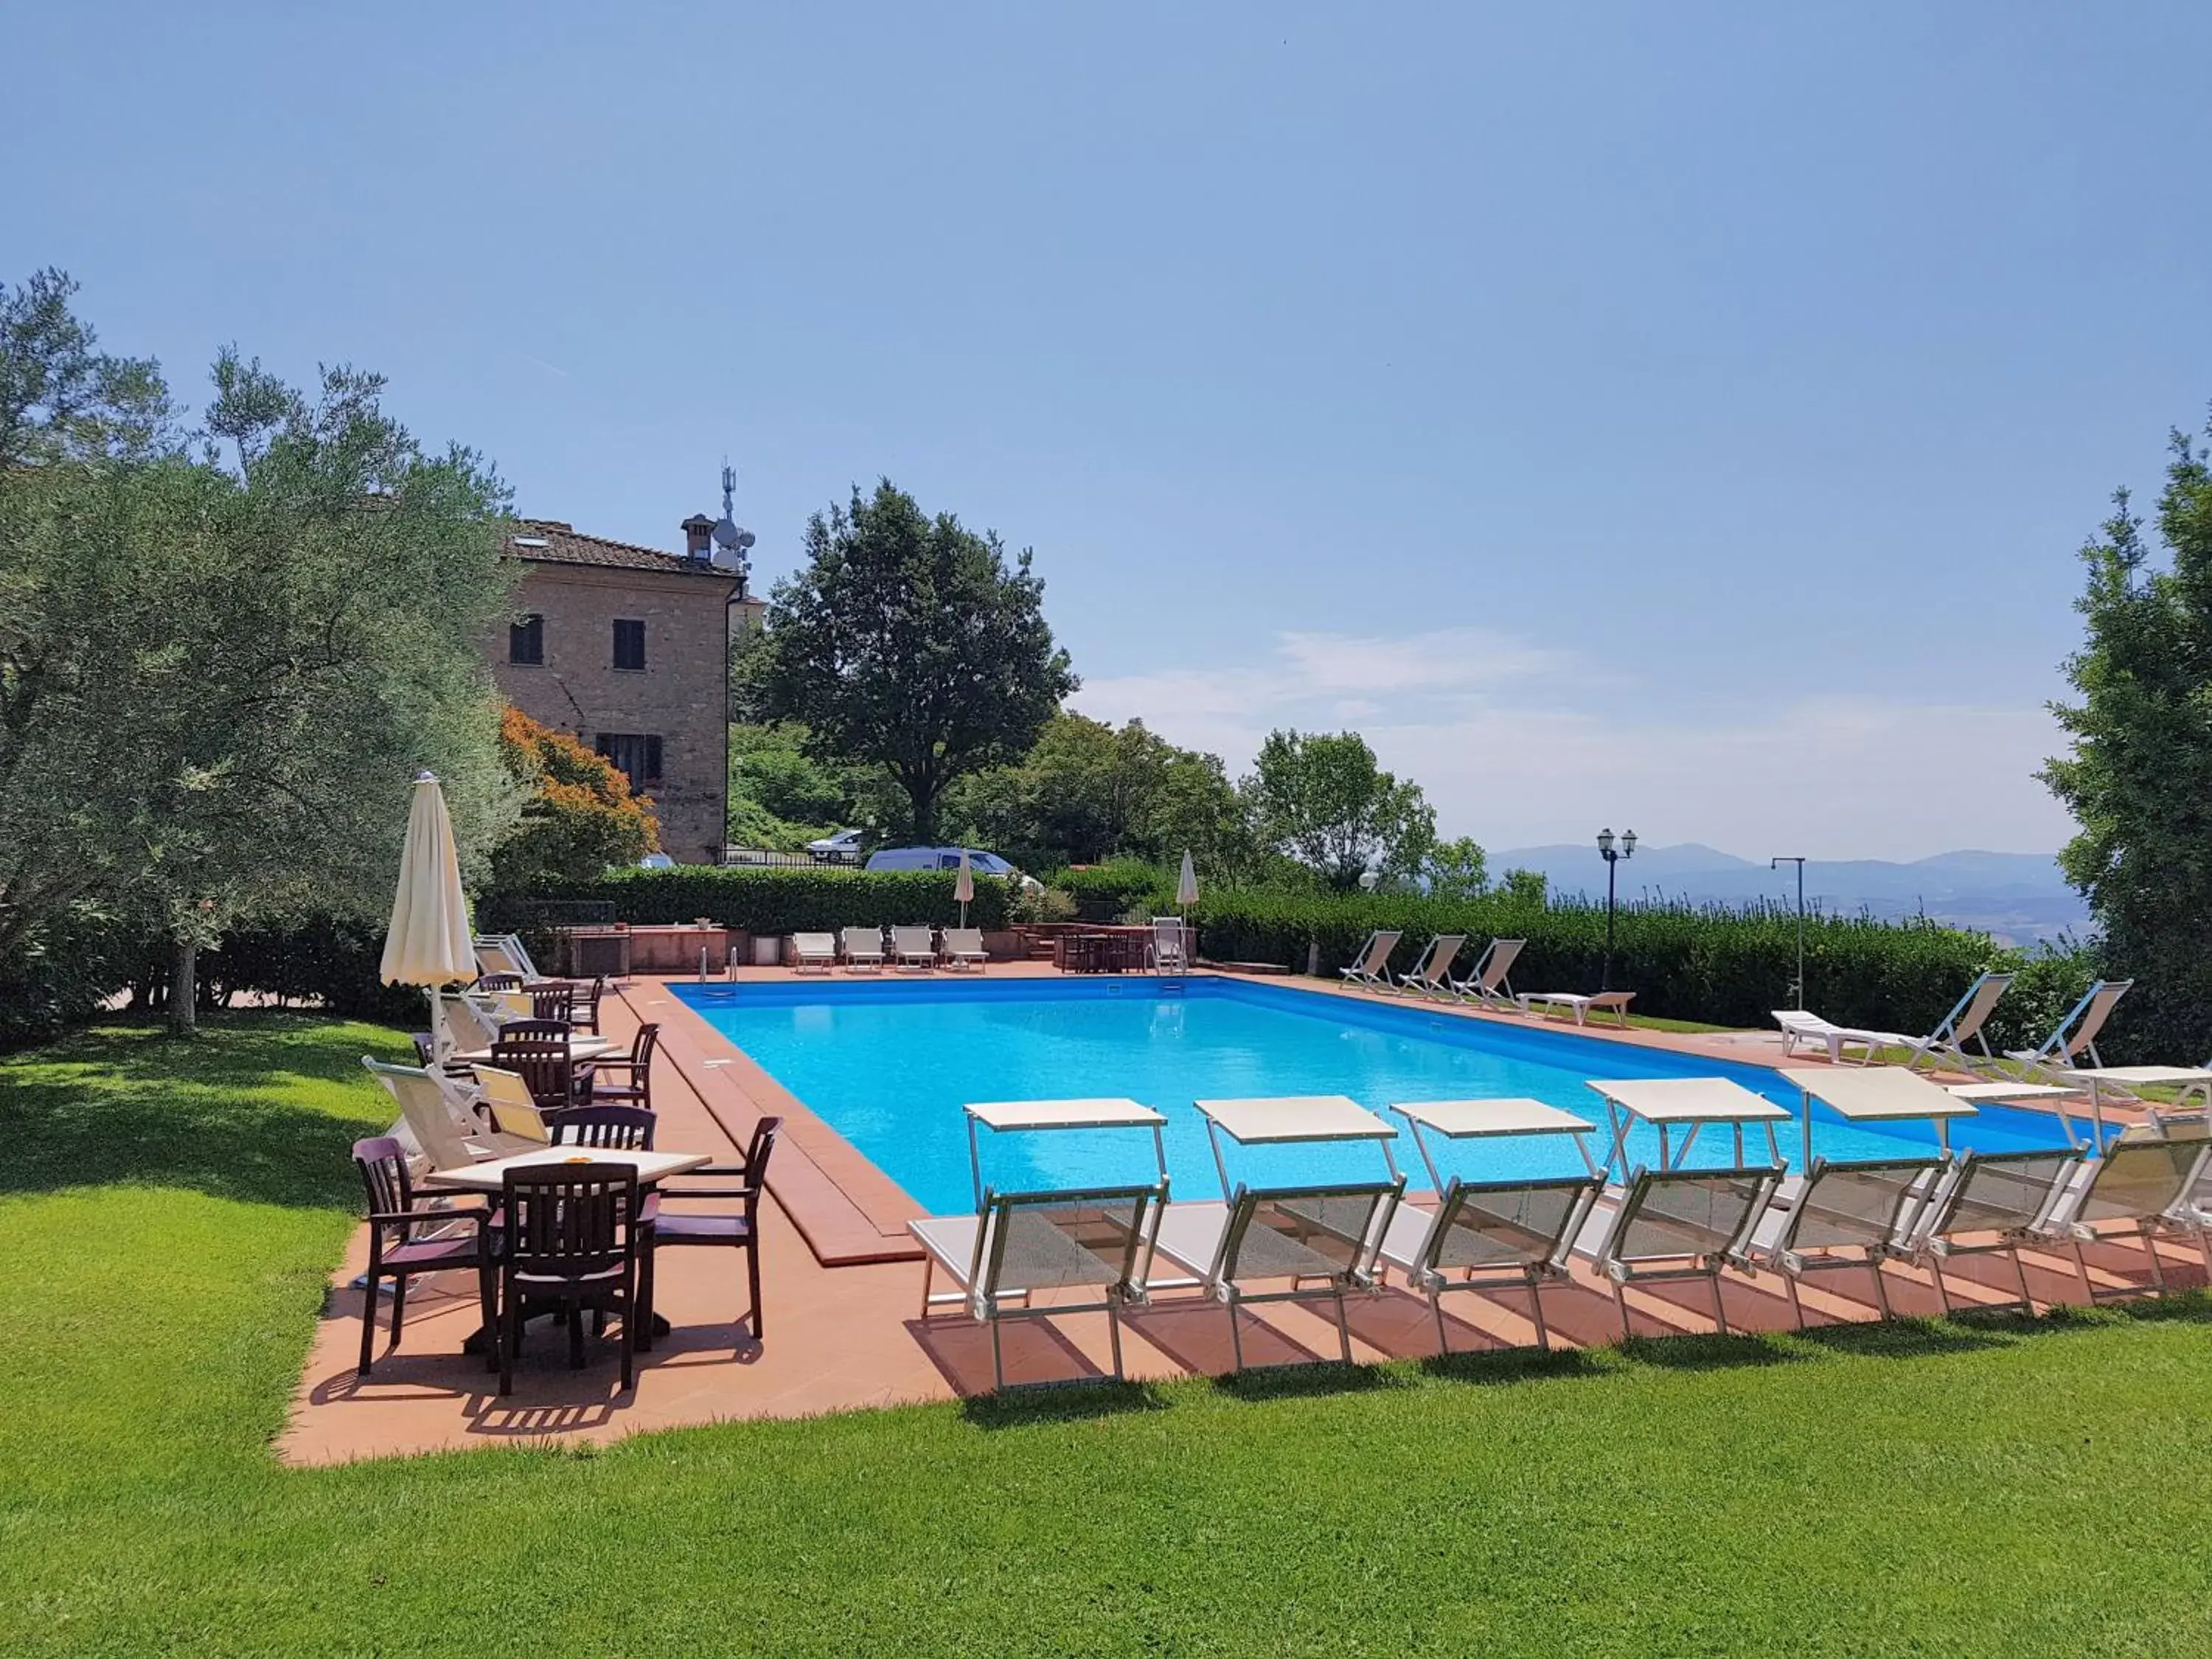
column 681, row 696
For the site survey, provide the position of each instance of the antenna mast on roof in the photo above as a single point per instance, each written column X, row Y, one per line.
column 730, row 541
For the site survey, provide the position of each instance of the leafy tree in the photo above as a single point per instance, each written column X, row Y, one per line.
column 1457, row 869
column 1323, row 800
column 2139, row 776
column 1524, row 887
column 908, row 642
column 579, row 816
column 223, row 656
column 1086, row 792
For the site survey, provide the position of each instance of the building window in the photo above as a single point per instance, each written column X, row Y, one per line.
column 630, row 644
column 635, row 755
column 526, row 641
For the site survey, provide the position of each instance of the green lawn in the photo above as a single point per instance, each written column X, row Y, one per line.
column 167, row 1215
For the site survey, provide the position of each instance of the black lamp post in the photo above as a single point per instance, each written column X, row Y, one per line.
column 1612, row 855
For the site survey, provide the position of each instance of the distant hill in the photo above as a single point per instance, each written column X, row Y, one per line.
column 2019, row 896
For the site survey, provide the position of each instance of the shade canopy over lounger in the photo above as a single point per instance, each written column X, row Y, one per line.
column 1688, row 1103
column 1877, row 1094
column 1018, row 1116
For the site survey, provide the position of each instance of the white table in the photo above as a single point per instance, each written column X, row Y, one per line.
column 1876, row 1094
column 580, row 1049
column 1672, row 1103
column 1476, row 1119
column 490, row 1176
column 2126, row 1080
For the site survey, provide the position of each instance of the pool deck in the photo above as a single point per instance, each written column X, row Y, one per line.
column 842, row 1285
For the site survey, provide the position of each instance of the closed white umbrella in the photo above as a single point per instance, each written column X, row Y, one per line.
column 1187, row 888
column 428, row 943
column 963, row 889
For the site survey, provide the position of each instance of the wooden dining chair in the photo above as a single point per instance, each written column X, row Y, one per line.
column 570, row 1234
column 737, row 1230
column 396, row 1253
column 626, row 1128
column 537, row 1050
column 631, row 1080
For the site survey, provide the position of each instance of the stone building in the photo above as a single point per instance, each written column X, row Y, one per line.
column 627, row 649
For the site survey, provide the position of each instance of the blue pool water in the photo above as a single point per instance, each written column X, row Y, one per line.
column 889, row 1064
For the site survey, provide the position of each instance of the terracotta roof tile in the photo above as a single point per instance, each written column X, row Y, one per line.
column 562, row 544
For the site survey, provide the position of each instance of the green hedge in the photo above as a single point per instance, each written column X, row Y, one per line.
column 782, row 901
column 1716, row 966
column 1104, row 892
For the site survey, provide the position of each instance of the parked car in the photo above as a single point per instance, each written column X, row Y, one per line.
column 938, row 858
column 843, row 848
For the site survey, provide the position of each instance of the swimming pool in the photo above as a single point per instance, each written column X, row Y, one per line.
column 889, row 1064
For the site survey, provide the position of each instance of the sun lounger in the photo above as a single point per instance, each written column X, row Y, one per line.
column 467, row 1024
column 1322, row 1239
column 963, row 948
column 504, row 953
column 1802, row 1031
column 2144, row 1184
column 915, row 947
column 1675, row 1225
column 1170, row 945
column 1484, row 1235
column 1989, row 1205
column 1430, row 975
column 1867, row 1205
column 813, row 952
column 1581, row 1006
column 1947, row 1044
column 2076, row 1034
column 1372, row 963
column 1021, row 1243
column 435, row 1116
column 864, row 949
column 1488, row 983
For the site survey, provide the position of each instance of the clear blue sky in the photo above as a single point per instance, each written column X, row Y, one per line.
column 1681, row 417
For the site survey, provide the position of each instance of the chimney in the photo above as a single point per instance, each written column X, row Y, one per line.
column 699, row 537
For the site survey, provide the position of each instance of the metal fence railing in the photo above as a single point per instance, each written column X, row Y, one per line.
column 760, row 858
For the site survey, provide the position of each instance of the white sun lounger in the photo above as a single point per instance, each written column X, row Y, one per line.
column 813, row 952
column 435, row 1114
column 1802, row 1031
column 1990, row 1205
column 2076, row 1034
column 1491, row 1234
column 915, row 947
column 1016, row 1244
column 963, row 948
column 1488, row 982
column 504, row 953
column 1675, row 1225
column 2143, row 1184
column 1580, row 1005
column 1947, row 1044
column 1430, row 973
column 1170, row 945
column 864, row 949
column 1866, row 1205
column 1322, row 1238
column 1372, row 963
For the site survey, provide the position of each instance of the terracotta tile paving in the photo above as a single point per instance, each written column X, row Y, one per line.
column 844, row 1290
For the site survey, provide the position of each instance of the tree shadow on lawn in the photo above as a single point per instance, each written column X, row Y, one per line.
column 263, row 1109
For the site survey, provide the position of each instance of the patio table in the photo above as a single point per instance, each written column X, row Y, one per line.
column 1670, row 1102
column 490, row 1176
column 580, row 1049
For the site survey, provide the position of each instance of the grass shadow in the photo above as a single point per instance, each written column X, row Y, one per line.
column 1500, row 1367
column 1902, row 1339
column 1326, row 1376
column 1710, row 1352
column 262, row 1108
column 1059, row 1402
